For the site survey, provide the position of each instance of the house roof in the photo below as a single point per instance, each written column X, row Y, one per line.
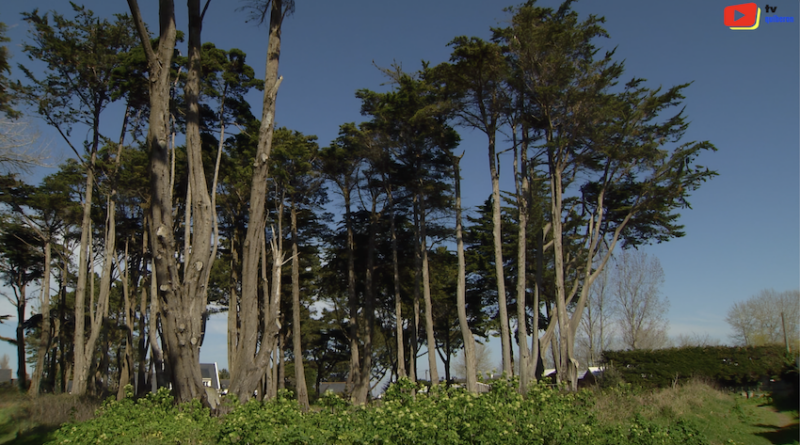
column 209, row 371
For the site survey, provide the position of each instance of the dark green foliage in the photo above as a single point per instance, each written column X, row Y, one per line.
column 728, row 366
column 7, row 97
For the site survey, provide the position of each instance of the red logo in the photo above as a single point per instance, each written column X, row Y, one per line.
column 744, row 16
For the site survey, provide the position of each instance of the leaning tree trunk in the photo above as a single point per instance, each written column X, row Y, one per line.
column 110, row 243
column 251, row 363
column 81, row 363
column 426, row 295
column 469, row 340
column 497, row 237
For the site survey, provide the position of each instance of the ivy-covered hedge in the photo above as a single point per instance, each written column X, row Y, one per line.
column 728, row 366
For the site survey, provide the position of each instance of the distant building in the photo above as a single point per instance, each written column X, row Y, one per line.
column 5, row 376
column 481, row 386
column 210, row 375
column 338, row 388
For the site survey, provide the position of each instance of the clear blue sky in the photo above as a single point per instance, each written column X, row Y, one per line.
column 742, row 233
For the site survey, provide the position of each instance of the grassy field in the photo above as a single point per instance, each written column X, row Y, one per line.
column 724, row 418
column 29, row 421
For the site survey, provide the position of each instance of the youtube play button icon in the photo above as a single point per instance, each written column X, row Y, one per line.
column 744, row 16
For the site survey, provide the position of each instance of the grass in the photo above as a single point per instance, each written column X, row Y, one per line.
column 724, row 418
column 28, row 420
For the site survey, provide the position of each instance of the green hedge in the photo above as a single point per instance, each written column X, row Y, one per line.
column 728, row 366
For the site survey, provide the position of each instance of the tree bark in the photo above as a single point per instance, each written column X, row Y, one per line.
column 251, row 363
column 22, row 371
column 299, row 371
column 466, row 332
column 126, row 373
column 81, row 365
column 354, row 374
column 398, row 306
column 521, row 181
column 426, row 295
column 497, row 236
column 417, row 285
column 362, row 386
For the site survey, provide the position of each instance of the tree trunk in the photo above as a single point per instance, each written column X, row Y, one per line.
column 417, row 285
column 362, row 386
column 159, row 379
column 354, row 374
column 233, row 308
column 251, row 363
column 63, row 343
column 110, row 243
column 281, row 379
column 182, row 299
column 126, row 373
column 426, row 295
column 398, row 307
column 469, row 340
column 497, row 236
column 299, row 371
column 22, row 371
column 536, row 349
column 566, row 360
column 44, row 305
column 81, row 365
column 521, row 182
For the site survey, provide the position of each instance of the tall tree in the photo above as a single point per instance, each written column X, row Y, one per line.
column 7, row 96
column 414, row 121
column 17, row 150
column 21, row 263
column 252, row 361
column 80, row 56
column 296, row 171
column 597, row 327
column 478, row 76
column 470, row 359
column 181, row 291
column 641, row 315
column 768, row 317
column 44, row 211
column 341, row 162
column 634, row 176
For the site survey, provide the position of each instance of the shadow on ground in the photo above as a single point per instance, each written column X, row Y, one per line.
column 36, row 436
column 787, row 405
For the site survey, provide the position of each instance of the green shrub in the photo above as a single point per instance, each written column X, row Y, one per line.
column 154, row 419
column 439, row 416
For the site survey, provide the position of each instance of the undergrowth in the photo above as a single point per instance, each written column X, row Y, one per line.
column 693, row 413
column 34, row 418
column 440, row 416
